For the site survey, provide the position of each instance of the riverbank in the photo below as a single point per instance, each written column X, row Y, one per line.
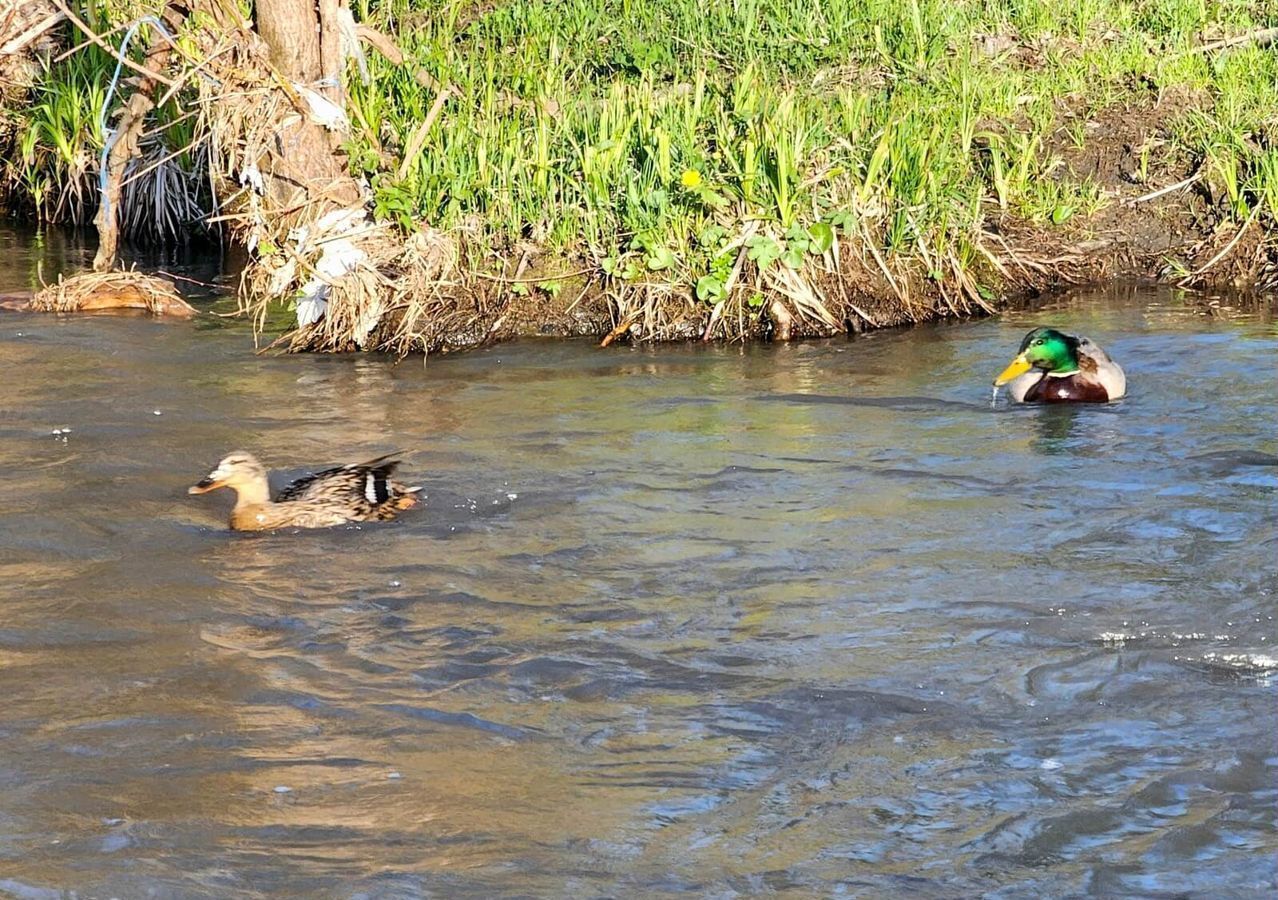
column 673, row 170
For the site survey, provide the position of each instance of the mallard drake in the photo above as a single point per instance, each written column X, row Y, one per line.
column 1054, row 367
column 358, row 492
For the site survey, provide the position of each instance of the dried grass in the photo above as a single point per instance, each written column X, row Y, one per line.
column 394, row 298
column 119, row 290
column 1244, row 255
column 27, row 33
column 849, row 288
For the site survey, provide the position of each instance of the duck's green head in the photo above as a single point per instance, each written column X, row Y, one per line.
column 1046, row 349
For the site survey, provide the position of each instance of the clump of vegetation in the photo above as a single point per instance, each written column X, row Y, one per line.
column 56, row 140
column 722, row 169
column 670, row 142
column 126, row 289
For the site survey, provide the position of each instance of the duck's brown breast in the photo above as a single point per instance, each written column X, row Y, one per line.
column 1067, row 389
column 251, row 518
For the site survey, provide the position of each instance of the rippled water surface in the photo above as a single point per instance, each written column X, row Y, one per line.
column 805, row 620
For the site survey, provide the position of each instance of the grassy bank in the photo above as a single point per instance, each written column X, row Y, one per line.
column 658, row 140
column 576, row 122
column 680, row 164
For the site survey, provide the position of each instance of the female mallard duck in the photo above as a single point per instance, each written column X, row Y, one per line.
column 1053, row 367
column 353, row 493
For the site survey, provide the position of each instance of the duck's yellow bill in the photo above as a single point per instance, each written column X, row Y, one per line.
column 1018, row 366
column 204, row 486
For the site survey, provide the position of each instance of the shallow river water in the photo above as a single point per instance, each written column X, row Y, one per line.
column 804, row 620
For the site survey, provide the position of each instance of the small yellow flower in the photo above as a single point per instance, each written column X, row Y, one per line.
column 691, row 179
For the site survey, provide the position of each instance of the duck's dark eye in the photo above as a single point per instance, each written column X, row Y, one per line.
column 1038, row 342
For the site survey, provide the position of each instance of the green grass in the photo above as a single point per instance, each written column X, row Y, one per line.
column 576, row 120
column 1238, row 138
column 59, row 138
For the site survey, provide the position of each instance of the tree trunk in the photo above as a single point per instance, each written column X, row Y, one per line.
column 330, row 12
column 308, row 163
column 291, row 28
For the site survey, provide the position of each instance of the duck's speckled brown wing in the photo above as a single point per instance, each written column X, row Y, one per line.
column 368, row 481
column 1100, row 369
column 354, row 492
column 338, row 481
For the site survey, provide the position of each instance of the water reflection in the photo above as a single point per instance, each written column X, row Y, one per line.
column 34, row 258
column 1057, row 426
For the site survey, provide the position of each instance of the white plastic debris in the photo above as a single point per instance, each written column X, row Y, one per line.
column 251, row 176
column 282, row 277
column 350, row 43
column 369, row 316
column 324, row 111
column 338, row 257
column 311, row 302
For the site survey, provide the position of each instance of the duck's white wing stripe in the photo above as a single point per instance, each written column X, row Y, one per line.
column 370, row 487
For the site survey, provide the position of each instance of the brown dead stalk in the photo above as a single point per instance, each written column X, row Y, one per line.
column 19, row 42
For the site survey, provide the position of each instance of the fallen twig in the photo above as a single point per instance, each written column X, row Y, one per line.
column 163, row 159
column 1262, row 37
column 389, row 49
column 1225, row 251
column 1145, row 198
column 177, row 277
column 504, row 280
column 67, row 54
column 622, row 327
column 418, row 139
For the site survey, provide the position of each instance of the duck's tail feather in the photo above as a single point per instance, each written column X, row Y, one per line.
column 391, row 458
